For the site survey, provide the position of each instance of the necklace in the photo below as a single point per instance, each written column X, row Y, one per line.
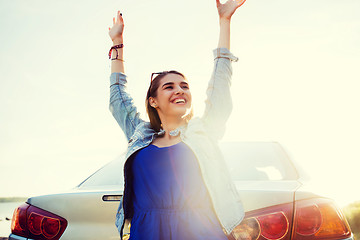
column 175, row 132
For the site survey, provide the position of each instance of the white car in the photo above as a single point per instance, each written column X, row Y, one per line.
column 272, row 189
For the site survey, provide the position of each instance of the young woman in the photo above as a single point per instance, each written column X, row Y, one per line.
column 177, row 185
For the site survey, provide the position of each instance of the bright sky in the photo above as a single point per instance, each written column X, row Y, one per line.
column 297, row 82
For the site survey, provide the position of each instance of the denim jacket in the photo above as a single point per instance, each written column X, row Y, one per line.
column 201, row 135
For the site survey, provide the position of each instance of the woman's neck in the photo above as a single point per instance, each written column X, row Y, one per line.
column 169, row 126
column 169, row 138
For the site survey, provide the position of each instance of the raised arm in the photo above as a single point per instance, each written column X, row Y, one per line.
column 121, row 104
column 218, row 102
column 225, row 12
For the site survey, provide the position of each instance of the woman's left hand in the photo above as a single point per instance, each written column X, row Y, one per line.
column 227, row 9
column 116, row 31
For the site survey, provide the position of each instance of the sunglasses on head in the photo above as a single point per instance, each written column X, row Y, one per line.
column 156, row 74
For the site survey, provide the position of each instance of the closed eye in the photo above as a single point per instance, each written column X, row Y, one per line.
column 168, row 85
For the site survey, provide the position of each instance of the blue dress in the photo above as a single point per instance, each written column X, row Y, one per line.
column 170, row 200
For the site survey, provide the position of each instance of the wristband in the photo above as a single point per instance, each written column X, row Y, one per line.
column 115, row 47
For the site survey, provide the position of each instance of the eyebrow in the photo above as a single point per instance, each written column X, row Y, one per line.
column 172, row 83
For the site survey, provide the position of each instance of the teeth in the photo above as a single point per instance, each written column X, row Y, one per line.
column 179, row 101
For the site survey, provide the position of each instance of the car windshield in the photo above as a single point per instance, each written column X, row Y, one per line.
column 247, row 161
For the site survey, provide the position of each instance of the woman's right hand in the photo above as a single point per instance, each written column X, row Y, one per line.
column 116, row 31
column 227, row 9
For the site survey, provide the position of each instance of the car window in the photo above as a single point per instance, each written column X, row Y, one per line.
column 109, row 175
column 258, row 161
column 246, row 162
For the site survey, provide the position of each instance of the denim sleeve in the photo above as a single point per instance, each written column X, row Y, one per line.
column 218, row 104
column 122, row 105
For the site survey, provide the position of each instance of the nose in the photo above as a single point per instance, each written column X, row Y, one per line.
column 179, row 90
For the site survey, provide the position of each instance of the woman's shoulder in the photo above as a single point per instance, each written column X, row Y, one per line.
column 143, row 133
column 195, row 124
column 144, row 127
column 197, row 127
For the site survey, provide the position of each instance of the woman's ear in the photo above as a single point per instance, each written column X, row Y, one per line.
column 152, row 102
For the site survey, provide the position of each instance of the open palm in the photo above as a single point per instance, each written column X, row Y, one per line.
column 227, row 9
column 116, row 31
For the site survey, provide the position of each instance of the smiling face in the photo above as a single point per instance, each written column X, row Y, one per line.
column 173, row 97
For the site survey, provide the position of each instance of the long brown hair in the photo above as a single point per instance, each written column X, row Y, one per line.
column 152, row 92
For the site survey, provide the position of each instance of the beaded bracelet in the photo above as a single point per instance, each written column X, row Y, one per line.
column 115, row 47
